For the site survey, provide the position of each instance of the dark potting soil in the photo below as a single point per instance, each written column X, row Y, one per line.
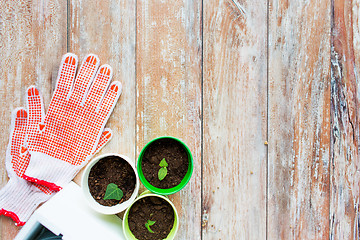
column 111, row 169
column 153, row 209
column 176, row 157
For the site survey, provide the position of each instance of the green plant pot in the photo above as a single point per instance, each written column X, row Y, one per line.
column 130, row 236
column 168, row 191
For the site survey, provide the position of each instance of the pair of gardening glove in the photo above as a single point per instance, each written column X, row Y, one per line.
column 45, row 152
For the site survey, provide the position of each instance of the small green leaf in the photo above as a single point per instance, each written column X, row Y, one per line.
column 163, row 163
column 162, row 173
column 113, row 192
column 148, row 224
column 151, row 222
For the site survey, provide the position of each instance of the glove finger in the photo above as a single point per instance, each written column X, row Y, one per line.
column 66, row 77
column 110, row 99
column 17, row 137
column 18, row 128
column 84, row 78
column 35, row 107
column 99, row 86
column 104, row 139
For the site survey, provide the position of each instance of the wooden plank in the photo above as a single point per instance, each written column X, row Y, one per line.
column 32, row 40
column 345, row 132
column 107, row 28
column 299, row 119
column 169, row 90
column 235, row 122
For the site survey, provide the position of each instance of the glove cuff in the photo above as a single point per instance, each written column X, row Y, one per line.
column 19, row 199
column 49, row 171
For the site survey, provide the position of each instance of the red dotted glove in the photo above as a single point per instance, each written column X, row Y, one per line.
column 65, row 139
column 19, row 198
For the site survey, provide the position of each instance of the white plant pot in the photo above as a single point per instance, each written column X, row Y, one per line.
column 92, row 202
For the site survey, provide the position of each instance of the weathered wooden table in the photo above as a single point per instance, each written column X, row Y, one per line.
column 265, row 93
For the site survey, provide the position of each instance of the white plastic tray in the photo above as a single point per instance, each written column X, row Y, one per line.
column 67, row 213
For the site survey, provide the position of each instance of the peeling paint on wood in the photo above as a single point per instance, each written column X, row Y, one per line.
column 235, row 123
column 345, row 132
column 297, row 179
column 299, row 119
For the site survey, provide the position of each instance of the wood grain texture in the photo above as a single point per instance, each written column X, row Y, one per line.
column 345, row 132
column 299, row 119
column 107, row 28
column 32, row 40
column 225, row 78
column 169, row 90
column 235, row 123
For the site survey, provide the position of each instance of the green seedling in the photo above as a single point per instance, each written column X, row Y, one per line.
column 163, row 170
column 113, row 192
column 148, row 224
